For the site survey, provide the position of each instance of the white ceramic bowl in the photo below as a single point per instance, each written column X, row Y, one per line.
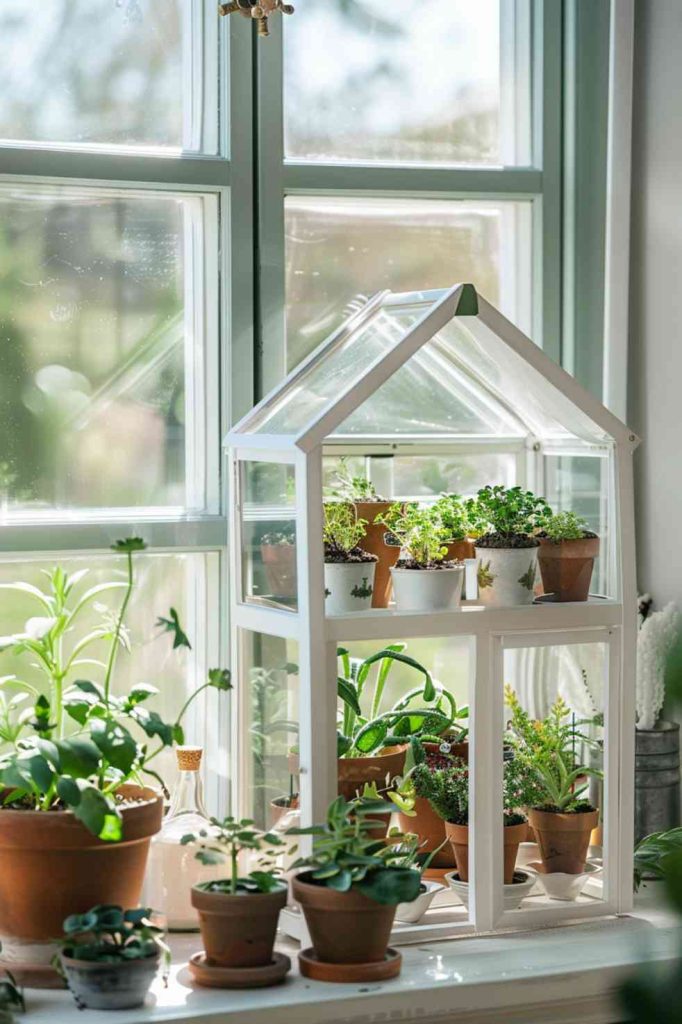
column 560, row 886
column 412, row 912
column 514, row 894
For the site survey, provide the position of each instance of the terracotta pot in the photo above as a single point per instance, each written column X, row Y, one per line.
column 101, row 986
column 458, row 550
column 357, row 933
column 373, row 541
column 563, row 838
column 280, row 807
column 431, row 830
column 513, row 836
column 460, row 750
column 566, row 567
column 279, row 562
column 354, row 772
column 51, row 866
column 239, row 930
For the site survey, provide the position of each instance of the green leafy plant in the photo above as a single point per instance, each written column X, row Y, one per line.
column 79, row 743
column 365, row 732
column 549, row 749
column 342, row 532
column 224, row 842
column 345, row 856
column 447, row 790
column 11, row 999
column 656, row 855
column 564, row 526
column 410, row 852
column 348, row 487
column 107, row 934
column 507, row 512
column 456, row 517
column 420, row 534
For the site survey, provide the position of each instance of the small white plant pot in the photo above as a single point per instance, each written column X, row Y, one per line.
column 560, row 886
column 348, row 586
column 513, row 896
column 427, row 590
column 506, row 576
column 411, row 913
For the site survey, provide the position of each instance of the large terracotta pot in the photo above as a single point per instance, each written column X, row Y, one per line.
column 345, row 927
column 428, row 825
column 51, row 866
column 458, row 550
column 279, row 562
column 566, row 567
column 373, row 541
column 354, row 772
column 513, row 836
column 239, row 930
column 563, row 838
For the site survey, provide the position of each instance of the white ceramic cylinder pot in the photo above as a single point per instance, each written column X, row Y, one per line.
column 427, row 590
column 412, row 912
column 506, row 576
column 348, row 586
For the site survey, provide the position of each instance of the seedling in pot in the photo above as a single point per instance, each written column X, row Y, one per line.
column 227, row 840
column 564, row 526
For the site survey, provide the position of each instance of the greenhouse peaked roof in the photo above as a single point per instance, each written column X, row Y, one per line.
column 441, row 363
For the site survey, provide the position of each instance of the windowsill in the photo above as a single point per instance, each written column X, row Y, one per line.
column 467, row 980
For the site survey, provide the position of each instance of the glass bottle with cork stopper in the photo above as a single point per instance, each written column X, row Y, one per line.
column 173, row 868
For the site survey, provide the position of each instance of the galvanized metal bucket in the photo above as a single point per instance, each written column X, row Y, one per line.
column 657, row 779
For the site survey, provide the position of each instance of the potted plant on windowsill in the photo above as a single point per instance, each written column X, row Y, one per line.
column 560, row 817
column 110, row 957
column 348, row 568
column 447, row 790
column 278, row 554
column 77, row 817
column 459, row 530
column 238, row 914
column 411, row 848
column 349, row 890
column 423, row 580
column 360, row 493
column 508, row 549
column 566, row 556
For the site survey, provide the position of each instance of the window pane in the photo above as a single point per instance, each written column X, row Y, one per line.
column 268, row 510
column 342, row 250
column 437, row 86
column 160, row 582
column 97, row 350
column 102, row 72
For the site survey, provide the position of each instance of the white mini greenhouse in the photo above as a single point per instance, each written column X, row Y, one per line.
column 426, row 392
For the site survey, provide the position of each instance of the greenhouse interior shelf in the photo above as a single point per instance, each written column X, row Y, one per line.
column 431, row 552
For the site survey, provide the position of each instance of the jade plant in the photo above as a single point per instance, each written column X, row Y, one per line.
column 108, row 934
column 549, row 748
column 509, row 516
column 80, row 742
column 347, row 856
column 420, row 534
column 428, row 710
column 224, row 843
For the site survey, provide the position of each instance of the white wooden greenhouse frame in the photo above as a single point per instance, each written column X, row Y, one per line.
column 481, row 353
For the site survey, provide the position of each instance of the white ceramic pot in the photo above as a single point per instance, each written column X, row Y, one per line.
column 506, row 576
column 427, row 590
column 560, row 886
column 414, row 911
column 513, row 896
column 348, row 586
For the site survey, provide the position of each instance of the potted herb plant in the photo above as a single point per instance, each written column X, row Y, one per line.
column 459, row 528
column 77, row 815
column 110, row 957
column 423, row 580
column 238, row 914
column 360, row 493
column 560, row 817
column 349, row 889
column 566, row 556
column 278, row 554
column 507, row 551
column 348, row 568
column 447, row 790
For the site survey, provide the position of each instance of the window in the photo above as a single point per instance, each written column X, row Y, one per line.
column 184, row 212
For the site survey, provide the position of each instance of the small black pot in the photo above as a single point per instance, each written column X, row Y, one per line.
column 117, row 986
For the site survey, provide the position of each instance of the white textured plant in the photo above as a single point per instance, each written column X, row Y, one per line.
column 654, row 644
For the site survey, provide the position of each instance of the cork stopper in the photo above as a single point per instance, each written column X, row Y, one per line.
column 189, row 758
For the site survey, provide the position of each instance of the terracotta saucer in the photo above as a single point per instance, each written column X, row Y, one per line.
column 382, row 970
column 214, row 976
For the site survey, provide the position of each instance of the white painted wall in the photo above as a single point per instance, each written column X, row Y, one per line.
column 655, row 371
